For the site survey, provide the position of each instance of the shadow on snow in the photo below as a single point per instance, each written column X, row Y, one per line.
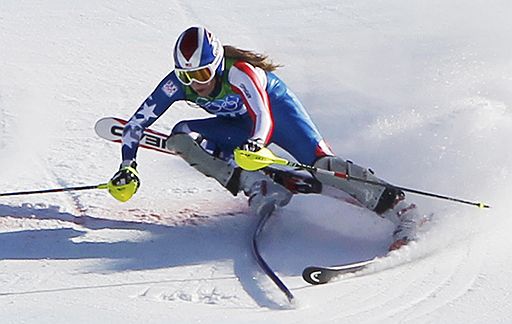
column 224, row 237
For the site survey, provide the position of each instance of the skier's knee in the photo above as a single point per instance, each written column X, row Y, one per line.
column 181, row 128
column 188, row 148
column 179, row 142
column 378, row 198
column 335, row 163
column 182, row 137
column 386, row 195
column 331, row 163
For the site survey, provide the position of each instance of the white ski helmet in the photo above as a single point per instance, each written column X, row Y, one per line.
column 198, row 56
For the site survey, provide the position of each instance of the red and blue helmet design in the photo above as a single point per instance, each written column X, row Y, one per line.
column 197, row 48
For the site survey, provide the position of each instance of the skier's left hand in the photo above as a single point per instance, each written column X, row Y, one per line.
column 253, row 145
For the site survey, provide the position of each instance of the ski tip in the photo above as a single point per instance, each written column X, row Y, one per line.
column 314, row 276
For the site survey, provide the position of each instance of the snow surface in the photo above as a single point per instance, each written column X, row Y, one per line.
column 418, row 90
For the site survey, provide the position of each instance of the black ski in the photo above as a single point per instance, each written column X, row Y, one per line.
column 316, row 275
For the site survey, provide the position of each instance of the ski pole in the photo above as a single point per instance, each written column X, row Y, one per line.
column 253, row 161
column 33, row 192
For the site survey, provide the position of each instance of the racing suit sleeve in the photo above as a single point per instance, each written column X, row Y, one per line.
column 250, row 83
column 166, row 93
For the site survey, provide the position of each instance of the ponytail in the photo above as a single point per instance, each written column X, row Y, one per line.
column 256, row 59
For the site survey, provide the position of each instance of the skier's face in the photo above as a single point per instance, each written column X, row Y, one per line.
column 203, row 89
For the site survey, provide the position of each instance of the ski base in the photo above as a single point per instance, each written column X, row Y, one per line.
column 111, row 129
column 317, row 275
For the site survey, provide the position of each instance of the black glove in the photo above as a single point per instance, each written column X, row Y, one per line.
column 125, row 182
column 126, row 174
column 253, row 145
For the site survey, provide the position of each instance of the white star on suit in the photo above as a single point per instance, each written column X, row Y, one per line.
column 131, row 137
column 147, row 113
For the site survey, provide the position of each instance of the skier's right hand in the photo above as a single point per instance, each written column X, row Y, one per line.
column 125, row 182
column 253, row 145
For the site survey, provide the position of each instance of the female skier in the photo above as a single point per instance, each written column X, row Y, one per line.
column 253, row 108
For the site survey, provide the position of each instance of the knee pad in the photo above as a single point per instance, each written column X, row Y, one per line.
column 367, row 194
column 335, row 163
column 189, row 149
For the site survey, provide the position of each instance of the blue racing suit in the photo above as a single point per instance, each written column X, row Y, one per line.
column 248, row 103
column 251, row 104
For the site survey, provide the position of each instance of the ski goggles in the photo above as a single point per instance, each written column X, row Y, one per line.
column 202, row 75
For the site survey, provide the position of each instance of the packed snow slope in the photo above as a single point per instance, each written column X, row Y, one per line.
column 420, row 91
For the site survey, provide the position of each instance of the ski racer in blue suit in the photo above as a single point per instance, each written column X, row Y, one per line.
column 252, row 108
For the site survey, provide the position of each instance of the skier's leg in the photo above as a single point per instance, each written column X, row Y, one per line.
column 189, row 149
column 204, row 155
column 218, row 135
column 264, row 194
column 388, row 202
column 374, row 197
column 295, row 133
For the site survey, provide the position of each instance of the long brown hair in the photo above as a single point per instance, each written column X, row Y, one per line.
column 257, row 59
